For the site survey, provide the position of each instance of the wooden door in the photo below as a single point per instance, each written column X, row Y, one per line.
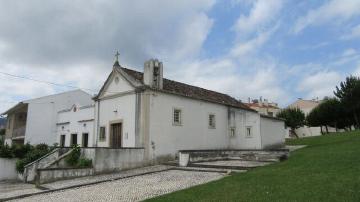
column 116, row 131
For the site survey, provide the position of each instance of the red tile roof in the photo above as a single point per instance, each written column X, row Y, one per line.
column 174, row 87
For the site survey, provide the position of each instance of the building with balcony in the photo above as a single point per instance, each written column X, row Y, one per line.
column 34, row 121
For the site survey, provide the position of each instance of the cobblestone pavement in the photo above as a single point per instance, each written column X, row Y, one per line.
column 15, row 188
column 133, row 188
column 249, row 164
column 97, row 178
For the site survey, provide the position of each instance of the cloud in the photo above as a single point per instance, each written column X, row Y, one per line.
column 73, row 43
column 243, row 48
column 63, row 32
column 227, row 76
column 320, row 84
column 333, row 12
column 354, row 33
column 260, row 15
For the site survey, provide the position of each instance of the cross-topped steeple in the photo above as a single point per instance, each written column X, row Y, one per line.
column 117, row 59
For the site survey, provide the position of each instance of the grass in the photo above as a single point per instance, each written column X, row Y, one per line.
column 327, row 170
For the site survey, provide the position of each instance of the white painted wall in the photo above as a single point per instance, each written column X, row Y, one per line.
column 117, row 104
column 272, row 132
column 42, row 115
column 194, row 133
column 245, row 119
column 76, row 124
column 118, row 109
column 8, row 169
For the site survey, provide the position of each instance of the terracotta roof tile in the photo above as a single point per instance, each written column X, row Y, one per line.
column 186, row 90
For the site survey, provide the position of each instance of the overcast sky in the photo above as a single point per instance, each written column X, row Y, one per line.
column 280, row 50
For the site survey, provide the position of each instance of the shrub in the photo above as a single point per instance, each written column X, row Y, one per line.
column 84, row 163
column 33, row 154
column 6, row 151
column 42, row 147
column 20, row 151
column 20, row 165
column 73, row 158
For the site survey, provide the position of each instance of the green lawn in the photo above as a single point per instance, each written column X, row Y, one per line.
column 327, row 170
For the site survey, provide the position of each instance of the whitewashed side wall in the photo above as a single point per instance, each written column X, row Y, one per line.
column 272, row 132
column 245, row 119
column 76, row 125
column 42, row 115
column 118, row 109
column 194, row 133
column 8, row 169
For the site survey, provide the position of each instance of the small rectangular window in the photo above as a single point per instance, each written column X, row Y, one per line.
column 212, row 121
column 248, row 131
column 232, row 132
column 102, row 135
column 177, row 117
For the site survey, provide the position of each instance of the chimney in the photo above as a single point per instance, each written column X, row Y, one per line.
column 266, row 102
column 153, row 73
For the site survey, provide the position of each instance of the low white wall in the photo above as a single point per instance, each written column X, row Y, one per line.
column 272, row 132
column 190, row 156
column 53, row 174
column 8, row 169
column 110, row 160
column 306, row 131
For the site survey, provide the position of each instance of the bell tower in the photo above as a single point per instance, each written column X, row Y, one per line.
column 153, row 73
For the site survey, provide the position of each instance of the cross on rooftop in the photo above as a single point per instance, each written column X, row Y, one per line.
column 117, row 56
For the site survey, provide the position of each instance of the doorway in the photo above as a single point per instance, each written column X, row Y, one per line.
column 73, row 139
column 85, row 139
column 62, row 140
column 116, row 133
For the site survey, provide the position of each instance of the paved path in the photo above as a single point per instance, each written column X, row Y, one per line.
column 99, row 178
column 133, row 188
column 15, row 188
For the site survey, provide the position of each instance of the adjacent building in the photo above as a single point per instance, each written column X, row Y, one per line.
column 306, row 106
column 75, row 126
column 264, row 106
column 34, row 121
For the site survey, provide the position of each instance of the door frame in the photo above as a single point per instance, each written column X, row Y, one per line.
column 119, row 121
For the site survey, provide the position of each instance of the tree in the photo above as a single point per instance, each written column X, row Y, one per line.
column 294, row 118
column 349, row 94
column 330, row 112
